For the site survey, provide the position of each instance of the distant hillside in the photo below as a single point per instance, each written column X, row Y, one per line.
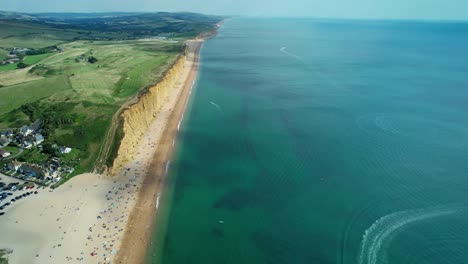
column 14, row 15
column 65, row 16
column 101, row 26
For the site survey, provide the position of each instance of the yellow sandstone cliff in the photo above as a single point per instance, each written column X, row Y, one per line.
column 138, row 117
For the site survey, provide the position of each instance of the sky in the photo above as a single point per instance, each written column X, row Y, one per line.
column 360, row 9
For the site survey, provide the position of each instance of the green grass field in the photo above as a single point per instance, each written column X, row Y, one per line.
column 30, row 60
column 28, row 92
column 92, row 92
column 23, row 34
column 33, row 59
column 13, row 150
column 8, row 67
column 3, row 54
column 78, row 87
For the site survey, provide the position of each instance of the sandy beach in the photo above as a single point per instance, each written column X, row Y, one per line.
column 141, row 220
column 97, row 218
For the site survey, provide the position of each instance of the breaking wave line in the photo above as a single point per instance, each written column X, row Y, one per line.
column 167, row 166
column 157, row 199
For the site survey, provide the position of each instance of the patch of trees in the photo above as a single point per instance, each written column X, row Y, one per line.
column 38, row 69
column 52, row 116
column 41, row 51
column 34, row 52
column 48, row 149
column 92, row 59
column 22, row 65
column 43, row 70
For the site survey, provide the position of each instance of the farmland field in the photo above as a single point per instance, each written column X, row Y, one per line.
column 92, row 92
column 29, row 60
column 80, row 84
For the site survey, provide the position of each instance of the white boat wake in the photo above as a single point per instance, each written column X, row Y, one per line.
column 283, row 50
column 380, row 234
column 215, row 105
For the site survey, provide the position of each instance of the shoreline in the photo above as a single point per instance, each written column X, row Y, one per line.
column 94, row 218
column 141, row 222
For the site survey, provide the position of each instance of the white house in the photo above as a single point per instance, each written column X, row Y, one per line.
column 27, row 145
column 8, row 134
column 26, row 130
column 4, row 153
column 38, row 139
column 64, row 150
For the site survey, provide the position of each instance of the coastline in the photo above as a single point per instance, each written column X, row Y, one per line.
column 142, row 218
column 95, row 218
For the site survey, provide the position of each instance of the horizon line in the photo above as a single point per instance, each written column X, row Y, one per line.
column 416, row 19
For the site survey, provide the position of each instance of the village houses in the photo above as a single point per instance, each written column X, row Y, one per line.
column 32, row 170
column 4, row 153
column 29, row 136
column 26, row 130
column 14, row 165
column 4, row 141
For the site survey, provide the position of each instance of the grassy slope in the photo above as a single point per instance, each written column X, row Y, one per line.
column 19, row 94
column 30, row 60
column 96, row 90
column 3, row 54
column 19, row 34
column 8, row 67
column 65, row 86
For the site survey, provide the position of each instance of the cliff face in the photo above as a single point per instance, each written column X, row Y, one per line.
column 139, row 116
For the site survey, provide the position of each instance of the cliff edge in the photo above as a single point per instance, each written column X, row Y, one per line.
column 138, row 117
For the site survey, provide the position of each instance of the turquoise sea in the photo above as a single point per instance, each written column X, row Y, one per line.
column 322, row 142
